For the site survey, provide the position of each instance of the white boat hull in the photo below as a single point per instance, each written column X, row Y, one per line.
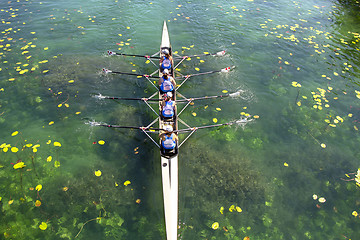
column 169, row 168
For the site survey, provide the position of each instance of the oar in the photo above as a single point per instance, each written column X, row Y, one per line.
column 110, row 53
column 106, row 71
column 221, row 53
column 240, row 121
column 210, row 72
column 127, row 127
column 235, row 94
column 125, row 98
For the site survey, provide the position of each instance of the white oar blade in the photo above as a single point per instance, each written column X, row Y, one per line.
column 106, row 71
column 222, row 53
column 110, row 53
column 224, row 70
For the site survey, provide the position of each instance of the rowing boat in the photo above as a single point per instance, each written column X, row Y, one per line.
column 169, row 159
column 169, row 164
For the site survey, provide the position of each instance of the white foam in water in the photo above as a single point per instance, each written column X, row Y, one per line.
column 99, row 96
column 236, row 94
column 93, row 123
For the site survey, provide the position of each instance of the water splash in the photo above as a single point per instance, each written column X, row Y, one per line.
column 236, row 94
column 100, row 96
column 93, row 123
column 242, row 122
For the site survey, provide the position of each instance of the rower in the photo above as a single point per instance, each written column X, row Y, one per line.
column 166, row 82
column 168, row 107
column 169, row 141
column 166, row 61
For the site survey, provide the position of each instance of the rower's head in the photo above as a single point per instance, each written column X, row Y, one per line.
column 166, row 73
column 167, row 96
column 168, row 129
column 165, row 51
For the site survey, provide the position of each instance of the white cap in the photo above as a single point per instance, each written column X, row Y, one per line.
column 168, row 128
column 165, row 51
column 166, row 71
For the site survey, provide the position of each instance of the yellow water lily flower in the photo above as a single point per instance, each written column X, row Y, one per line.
column 215, row 120
column 37, row 203
column 127, row 182
column 57, row 144
column 101, row 142
column 14, row 149
column 222, row 210
column 14, row 133
column 231, row 208
column 19, row 165
column 56, row 164
column 49, row 158
column 98, row 173
column 38, row 187
column 43, row 226
column 215, row 225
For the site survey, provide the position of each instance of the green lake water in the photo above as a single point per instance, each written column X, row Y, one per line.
column 281, row 176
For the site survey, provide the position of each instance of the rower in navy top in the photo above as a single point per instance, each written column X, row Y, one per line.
column 166, row 82
column 166, row 61
column 168, row 107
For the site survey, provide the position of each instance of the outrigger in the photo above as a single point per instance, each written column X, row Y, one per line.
column 169, row 157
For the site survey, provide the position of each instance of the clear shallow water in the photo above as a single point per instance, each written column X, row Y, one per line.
column 271, row 44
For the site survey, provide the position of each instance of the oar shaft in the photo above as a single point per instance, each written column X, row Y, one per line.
column 205, row 54
column 204, row 73
column 203, row 98
column 132, row 74
column 136, row 99
column 136, row 55
column 129, row 127
column 132, row 55
column 202, row 127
